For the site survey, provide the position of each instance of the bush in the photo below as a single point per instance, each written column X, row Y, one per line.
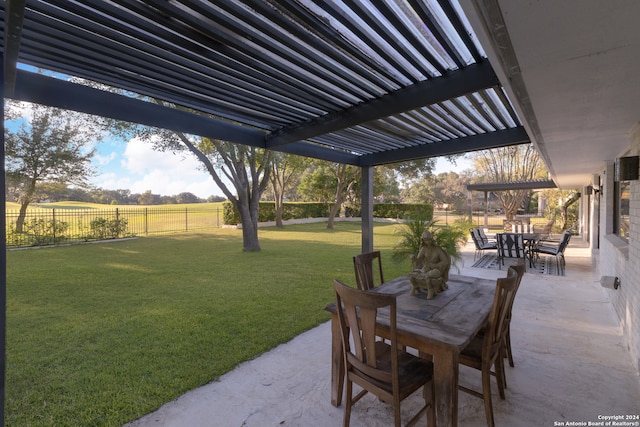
column 403, row 210
column 267, row 211
column 102, row 228
column 45, row 232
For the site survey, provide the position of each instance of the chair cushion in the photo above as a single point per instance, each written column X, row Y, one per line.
column 489, row 245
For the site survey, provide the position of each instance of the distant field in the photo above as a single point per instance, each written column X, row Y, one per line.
column 85, row 205
column 63, row 222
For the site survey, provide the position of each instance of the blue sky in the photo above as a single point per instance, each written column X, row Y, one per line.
column 135, row 166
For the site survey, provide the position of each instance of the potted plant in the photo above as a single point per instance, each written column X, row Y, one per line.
column 450, row 238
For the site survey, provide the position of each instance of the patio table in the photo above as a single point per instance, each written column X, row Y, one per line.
column 439, row 328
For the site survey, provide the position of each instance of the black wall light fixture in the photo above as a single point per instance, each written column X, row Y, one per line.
column 627, row 168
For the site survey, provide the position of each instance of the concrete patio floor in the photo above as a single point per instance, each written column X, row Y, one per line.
column 571, row 365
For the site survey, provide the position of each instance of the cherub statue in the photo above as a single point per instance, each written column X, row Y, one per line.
column 430, row 267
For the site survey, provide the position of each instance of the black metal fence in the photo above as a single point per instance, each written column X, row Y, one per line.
column 55, row 226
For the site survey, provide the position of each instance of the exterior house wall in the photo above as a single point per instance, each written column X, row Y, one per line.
column 621, row 259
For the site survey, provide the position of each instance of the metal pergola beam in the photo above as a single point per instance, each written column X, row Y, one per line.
column 502, row 138
column 14, row 16
column 58, row 93
column 505, row 186
column 457, row 83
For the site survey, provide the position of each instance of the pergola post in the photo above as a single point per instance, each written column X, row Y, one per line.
column 367, row 208
column 486, row 209
column 3, row 264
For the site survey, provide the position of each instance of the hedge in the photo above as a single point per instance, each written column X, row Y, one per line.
column 267, row 211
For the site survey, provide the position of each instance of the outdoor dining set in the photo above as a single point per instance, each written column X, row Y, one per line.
column 522, row 242
column 391, row 342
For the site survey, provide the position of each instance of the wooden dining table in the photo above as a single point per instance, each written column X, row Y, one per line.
column 438, row 328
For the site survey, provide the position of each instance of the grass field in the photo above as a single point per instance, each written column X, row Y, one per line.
column 63, row 222
column 101, row 334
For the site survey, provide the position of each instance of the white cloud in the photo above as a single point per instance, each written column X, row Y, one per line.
column 102, row 160
column 163, row 173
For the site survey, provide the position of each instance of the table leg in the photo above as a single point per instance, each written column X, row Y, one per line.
column 337, row 362
column 445, row 377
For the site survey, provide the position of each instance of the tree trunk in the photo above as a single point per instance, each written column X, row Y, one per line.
column 279, row 201
column 21, row 217
column 564, row 208
column 335, row 209
column 250, row 242
column 24, row 204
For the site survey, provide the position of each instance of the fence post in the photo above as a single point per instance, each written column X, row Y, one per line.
column 53, row 222
column 186, row 219
column 146, row 220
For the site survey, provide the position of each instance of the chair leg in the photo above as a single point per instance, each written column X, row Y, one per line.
column 500, row 374
column 507, row 347
column 396, row 411
column 486, row 394
column 348, row 404
column 429, row 396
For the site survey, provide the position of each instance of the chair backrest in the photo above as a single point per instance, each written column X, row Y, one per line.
column 500, row 310
column 476, row 238
column 357, row 311
column 566, row 237
column 363, row 265
column 509, row 223
column 510, row 245
column 482, row 235
column 519, row 268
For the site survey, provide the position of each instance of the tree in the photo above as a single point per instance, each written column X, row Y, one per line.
column 186, row 197
column 148, row 198
column 284, row 168
column 52, row 147
column 346, row 176
column 329, row 182
column 563, row 202
column 246, row 168
column 450, row 188
column 518, row 163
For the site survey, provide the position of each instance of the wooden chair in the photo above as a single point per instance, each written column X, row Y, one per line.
column 487, row 350
column 511, row 245
column 365, row 275
column 381, row 369
column 480, row 243
column 520, row 269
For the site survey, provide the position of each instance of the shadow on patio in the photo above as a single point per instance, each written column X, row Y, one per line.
column 571, row 364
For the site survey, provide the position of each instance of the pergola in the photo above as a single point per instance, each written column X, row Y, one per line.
column 353, row 81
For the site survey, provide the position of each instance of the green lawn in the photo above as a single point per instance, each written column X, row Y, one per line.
column 101, row 334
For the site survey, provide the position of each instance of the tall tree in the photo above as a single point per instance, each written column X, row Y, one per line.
column 330, row 182
column 346, row 177
column 517, row 163
column 284, row 169
column 246, row 168
column 50, row 147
